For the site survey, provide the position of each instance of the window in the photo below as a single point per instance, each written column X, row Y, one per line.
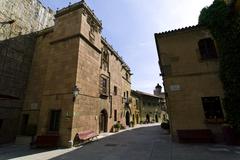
column 1, row 123
column 127, row 76
column 105, row 57
column 115, row 90
column 124, row 94
column 127, row 94
column 103, row 85
column 212, row 108
column 207, row 49
column 54, row 120
column 91, row 34
column 115, row 115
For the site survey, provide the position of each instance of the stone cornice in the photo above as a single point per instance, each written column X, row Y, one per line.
column 125, row 66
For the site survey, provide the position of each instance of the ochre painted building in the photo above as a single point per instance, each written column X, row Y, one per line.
column 147, row 108
column 72, row 57
column 150, row 109
column 189, row 63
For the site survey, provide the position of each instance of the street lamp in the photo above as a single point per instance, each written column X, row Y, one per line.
column 75, row 92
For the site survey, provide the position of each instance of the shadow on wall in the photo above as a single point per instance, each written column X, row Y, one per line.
column 15, row 63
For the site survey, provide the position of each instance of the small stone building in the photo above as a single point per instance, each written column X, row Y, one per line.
column 189, row 63
column 150, row 106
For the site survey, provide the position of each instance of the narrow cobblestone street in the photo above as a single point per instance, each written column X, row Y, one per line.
column 146, row 142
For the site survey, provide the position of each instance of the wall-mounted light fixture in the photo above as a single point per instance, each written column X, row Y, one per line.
column 75, row 92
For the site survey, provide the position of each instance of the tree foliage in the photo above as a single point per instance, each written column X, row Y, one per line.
column 224, row 24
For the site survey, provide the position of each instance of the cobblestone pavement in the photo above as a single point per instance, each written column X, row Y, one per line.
column 146, row 142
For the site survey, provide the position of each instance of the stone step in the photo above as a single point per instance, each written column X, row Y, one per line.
column 23, row 140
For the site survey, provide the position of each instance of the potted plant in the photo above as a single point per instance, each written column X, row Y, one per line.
column 165, row 125
column 117, row 126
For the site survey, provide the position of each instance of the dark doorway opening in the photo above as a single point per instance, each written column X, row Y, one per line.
column 103, row 121
column 137, row 119
column 156, row 118
column 1, row 123
column 25, row 118
column 54, row 120
column 127, row 118
column 147, row 118
column 133, row 118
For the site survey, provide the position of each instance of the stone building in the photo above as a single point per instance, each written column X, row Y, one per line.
column 78, row 81
column 135, row 107
column 150, row 106
column 18, row 20
column 189, row 63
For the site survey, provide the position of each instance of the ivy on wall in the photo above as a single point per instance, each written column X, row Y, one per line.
column 224, row 24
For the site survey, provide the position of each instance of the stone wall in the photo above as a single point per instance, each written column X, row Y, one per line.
column 20, row 17
column 18, row 22
column 188, row 78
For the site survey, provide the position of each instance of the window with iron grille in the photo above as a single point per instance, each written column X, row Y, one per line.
column 105, row 58
column 212, row 108
column 115, row 115
column 54, row 120
column 103, row 85
column 115, row 90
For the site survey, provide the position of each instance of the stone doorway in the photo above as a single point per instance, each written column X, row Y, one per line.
column 147, row 118
column 103, row 121
column 24, row 123
column 137, row 119
column 156, row 118
column 127, row 118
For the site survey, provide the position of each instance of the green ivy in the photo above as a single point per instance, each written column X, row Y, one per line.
column 224, row 24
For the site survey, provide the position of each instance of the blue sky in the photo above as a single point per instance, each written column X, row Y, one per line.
column 129, row 25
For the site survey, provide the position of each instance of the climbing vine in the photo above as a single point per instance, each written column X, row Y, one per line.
column 224, row 24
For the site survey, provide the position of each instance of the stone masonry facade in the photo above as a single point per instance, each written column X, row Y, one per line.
column 23, row 17
column 73, row 54
column 18, row 22
column 189, row 62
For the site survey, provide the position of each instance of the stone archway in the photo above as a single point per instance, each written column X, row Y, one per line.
column 127, row 118
column 103, row 121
